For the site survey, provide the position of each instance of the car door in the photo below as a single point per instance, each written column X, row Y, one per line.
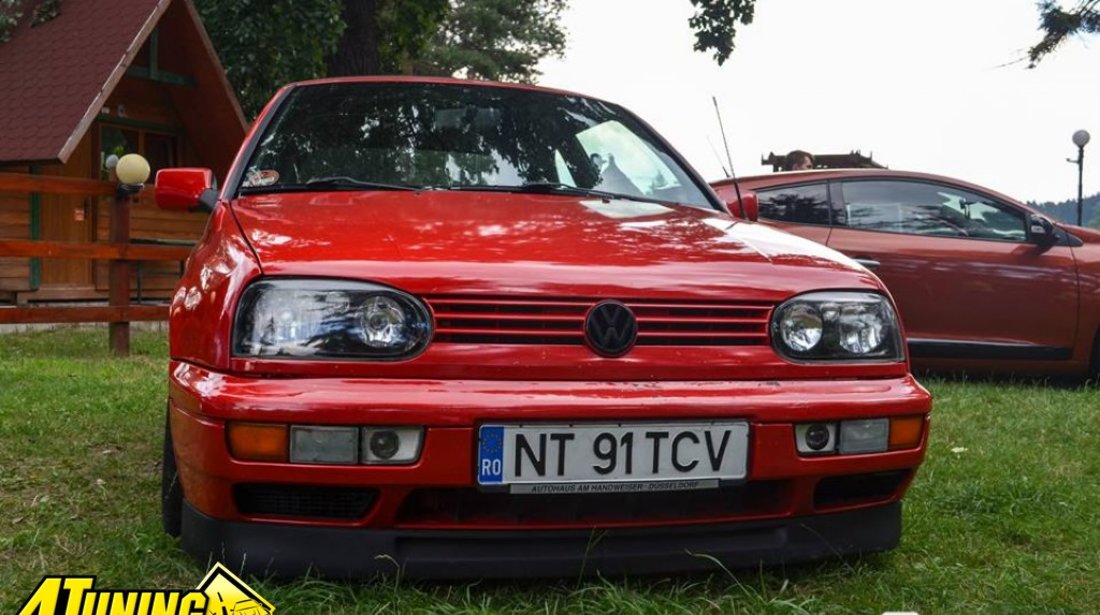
column 966, row 278
column 803, row 209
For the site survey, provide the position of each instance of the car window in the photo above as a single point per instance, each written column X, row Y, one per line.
column 921, row 208
column 797, row 204
column 437, row 135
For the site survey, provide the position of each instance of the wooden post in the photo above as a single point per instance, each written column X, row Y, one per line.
column 120, row 273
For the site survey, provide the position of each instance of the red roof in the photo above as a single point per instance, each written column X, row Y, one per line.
column 56, row 76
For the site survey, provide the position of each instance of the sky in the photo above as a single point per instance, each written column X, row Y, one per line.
column 939, row 86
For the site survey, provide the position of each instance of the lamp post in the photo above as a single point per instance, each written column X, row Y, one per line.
column 1080, row 139
column 131, row 171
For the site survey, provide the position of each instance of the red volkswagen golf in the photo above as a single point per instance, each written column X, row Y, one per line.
column 983, row 282
column 459, row 329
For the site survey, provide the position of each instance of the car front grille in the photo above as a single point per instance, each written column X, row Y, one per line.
column 315, row 502
column 837, row 491
column 457, row 507
column 526, row 320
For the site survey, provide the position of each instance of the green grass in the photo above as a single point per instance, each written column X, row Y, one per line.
column 1002, row 517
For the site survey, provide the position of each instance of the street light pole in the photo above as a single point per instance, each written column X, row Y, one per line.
column 1080, row 139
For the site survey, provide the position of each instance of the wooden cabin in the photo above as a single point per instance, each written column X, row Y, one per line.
column 105, row 77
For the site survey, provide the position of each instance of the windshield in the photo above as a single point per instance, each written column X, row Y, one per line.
column 376, row 136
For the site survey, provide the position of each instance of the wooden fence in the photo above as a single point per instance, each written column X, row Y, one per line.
column 119, row 251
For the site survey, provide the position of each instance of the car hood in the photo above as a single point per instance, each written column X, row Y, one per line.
column 508, row 243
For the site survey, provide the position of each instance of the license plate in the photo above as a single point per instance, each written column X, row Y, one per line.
column 611, row 457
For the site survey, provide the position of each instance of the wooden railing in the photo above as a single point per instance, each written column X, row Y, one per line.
column 119, row 251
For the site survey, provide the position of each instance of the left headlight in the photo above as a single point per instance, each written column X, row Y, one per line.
column 332, row 319
column 837, row 326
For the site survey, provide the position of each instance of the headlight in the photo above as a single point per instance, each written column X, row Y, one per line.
column 329, row 319
column 837, row 326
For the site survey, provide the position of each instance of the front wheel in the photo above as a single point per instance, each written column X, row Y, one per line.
column 171, row 492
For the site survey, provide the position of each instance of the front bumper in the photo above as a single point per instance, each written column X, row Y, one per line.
column 290, row 551
column 783, row 512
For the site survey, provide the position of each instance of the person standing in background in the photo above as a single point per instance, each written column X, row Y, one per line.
column 798, row 160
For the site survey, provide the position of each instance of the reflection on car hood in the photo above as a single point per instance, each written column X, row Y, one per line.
column 446, row 241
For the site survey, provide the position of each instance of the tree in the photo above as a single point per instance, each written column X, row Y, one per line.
column 500, row 40
column 265, row 44
column 715, row 24
column 384, row 36
column 1058, row 25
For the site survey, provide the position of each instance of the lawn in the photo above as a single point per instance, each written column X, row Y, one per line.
column 1002, row 517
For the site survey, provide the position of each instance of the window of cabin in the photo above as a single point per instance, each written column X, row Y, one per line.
column 160, row 149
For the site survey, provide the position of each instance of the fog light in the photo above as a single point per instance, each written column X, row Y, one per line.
column 317, row 444
column 864, row 436
column 384, row 444
column 815, row 438
column 391, row 445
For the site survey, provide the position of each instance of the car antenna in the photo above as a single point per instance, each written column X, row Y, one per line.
column 721, row 164
column 732, row 175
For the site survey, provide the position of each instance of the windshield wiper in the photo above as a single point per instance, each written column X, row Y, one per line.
column 343, row 181
column 338, row 182
column 555, row 188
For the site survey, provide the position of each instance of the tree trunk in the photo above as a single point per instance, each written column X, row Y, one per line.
column 357, row 52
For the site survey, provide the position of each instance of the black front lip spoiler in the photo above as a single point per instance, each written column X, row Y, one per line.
column 277, row 550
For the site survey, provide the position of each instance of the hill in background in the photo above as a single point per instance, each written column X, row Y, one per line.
column 1066, row 211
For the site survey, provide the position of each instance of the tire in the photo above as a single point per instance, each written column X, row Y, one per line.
column 171, row 492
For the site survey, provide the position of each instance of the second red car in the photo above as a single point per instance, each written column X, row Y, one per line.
column 983, row 282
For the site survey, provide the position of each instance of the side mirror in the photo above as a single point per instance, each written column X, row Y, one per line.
column 748, row 208
column 1041, row 231
column 187, row 189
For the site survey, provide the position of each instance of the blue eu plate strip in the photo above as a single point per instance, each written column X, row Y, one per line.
column 490, row 455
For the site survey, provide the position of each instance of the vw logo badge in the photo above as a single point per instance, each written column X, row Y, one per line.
column 610, row 329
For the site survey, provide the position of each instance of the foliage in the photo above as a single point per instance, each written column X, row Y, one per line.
column 408, row 27
column 45, row 11
column 500, row 40
column 11, row 12
column 1059, row 24
column 266, row 44
column 381, row 36
column 715, row 24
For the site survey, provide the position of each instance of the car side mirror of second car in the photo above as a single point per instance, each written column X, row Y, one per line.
column 1041, row 231
column 748, row 208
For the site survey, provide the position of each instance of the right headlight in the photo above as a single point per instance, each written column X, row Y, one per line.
column 837, row 326
column 329, row 319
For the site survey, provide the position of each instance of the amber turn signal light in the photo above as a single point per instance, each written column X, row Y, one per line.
column 905, row 432
column 257, row 441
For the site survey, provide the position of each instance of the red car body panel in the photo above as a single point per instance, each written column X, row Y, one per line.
column 970, row 291
column 494, row 247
